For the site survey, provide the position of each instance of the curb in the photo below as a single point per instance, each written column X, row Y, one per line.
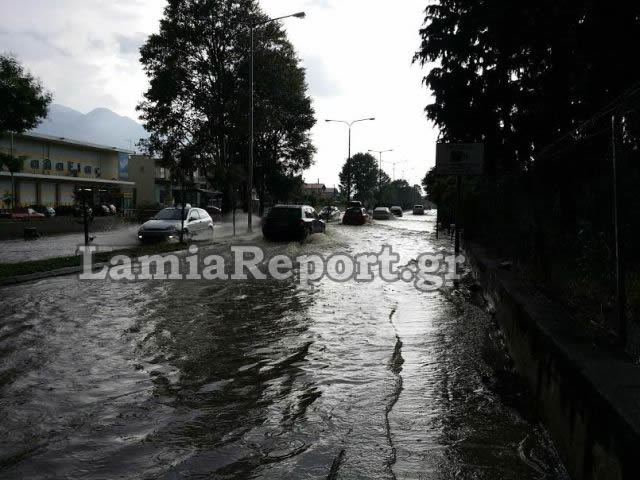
column 61, row 272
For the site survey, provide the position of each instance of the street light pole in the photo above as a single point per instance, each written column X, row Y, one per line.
column 252, row 28
column 380, row 152
column 394, row 168
column 350, row 124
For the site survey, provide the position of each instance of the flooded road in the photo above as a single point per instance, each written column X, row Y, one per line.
column 262, row 379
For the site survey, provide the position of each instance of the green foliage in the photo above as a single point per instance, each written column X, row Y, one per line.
column 537, row 83
column 364, row 177
column 198, row 102
column 12, row 164
column 400, row 193
column 23, row 98
column 515, row 75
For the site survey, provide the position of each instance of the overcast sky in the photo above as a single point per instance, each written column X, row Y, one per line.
column 357, row 54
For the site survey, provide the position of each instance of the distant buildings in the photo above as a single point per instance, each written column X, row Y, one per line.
column 55, row 167
column 320, row 191
column 154, row 185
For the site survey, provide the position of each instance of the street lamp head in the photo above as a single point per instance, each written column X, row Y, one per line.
column 299, row 15
column 372, row 118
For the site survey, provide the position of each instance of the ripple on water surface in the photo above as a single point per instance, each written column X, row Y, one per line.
column 261, row 378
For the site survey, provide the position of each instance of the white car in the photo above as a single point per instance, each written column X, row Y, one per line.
column 167, row 223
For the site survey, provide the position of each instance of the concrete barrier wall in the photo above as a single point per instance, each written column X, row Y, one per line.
column 587, row 396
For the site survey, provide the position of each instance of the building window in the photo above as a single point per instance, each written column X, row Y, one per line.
column 87, row 169
column 97, row 172
column 60, row 166
column 46, row 164
column 35, row 164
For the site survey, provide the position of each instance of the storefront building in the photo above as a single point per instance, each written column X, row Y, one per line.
column 53, row 168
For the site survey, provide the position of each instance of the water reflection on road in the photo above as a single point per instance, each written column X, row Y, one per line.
column 263, row 379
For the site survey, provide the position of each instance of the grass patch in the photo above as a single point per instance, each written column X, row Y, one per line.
column 38, row 266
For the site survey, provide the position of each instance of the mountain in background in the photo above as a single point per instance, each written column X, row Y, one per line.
column 101, row 126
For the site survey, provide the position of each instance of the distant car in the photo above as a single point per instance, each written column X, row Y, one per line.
column 46, row 211
column 355, row 216
column 112, row 207
column 397, row 211
column 295, row 222
column 354, row 203
column 381, row 213
column 418, row 210
column 26, row 214
column 101, row 210
column 167, row 222
column 78, row 212
column 329, row 213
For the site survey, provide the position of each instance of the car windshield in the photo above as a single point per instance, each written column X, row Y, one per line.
column 170, row 214
column 285, row 213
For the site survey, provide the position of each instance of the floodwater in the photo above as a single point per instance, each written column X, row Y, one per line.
column 263, row 379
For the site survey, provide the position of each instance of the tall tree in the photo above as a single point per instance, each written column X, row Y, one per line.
column 24, row 100
column 364, row 177
column 197, row 105
column 24, row 103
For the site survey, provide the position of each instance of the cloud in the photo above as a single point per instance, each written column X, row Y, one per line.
column 30, row 44
column 320, row 84
column 318, row 3
column 131, row 43
column 85, row 67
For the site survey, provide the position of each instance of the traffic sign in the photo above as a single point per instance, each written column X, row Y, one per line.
column 459, row 158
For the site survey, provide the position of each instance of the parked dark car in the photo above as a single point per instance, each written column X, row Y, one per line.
column 291, row 222
column 26, row 214
column 418, row 210
column 355, row 216
column 382, row 213
column 101, row 210
column 46, row 211
column 397, row 211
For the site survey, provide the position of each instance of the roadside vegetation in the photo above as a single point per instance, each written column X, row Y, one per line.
column 552, row 94
column 198, row 102
column 8, row 270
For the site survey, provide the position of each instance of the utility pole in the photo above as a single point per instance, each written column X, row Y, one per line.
column 621, row 294
column 380, row 152
column 349, row 124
